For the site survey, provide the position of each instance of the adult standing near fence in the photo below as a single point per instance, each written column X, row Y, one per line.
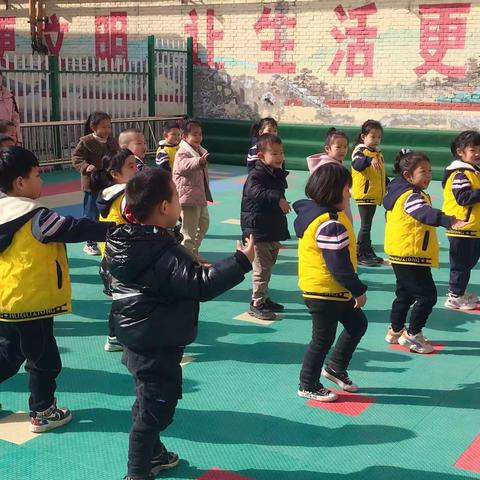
column 9, row 109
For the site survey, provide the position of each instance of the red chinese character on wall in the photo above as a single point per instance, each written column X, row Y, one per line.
column 279, row 23
column 111, row 36
column 357, row 45
column 212, row 36
column 443, row 27
column 7, row 35
column 53, row 31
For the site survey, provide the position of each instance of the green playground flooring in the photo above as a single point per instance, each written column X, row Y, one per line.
column 240, row 411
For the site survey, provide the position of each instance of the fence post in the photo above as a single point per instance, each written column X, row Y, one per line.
column 190, row 76
column 54, row 72
column 151, row 75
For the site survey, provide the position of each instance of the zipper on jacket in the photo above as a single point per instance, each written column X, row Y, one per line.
column 426, row 238
column 367, row 186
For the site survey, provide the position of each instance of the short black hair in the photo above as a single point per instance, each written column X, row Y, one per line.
column 15, row 162
column 146, row 190
column 468, row 138
column 266, row 141
column 170, row 125
column 325, row 185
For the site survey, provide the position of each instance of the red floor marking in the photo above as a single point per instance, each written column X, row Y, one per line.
column 351, row 404
column 214, row 203
column 470, row 458
column 217, row 474
column 57, row 188
column 240, row 180
column 436, row 348
column 471, row 312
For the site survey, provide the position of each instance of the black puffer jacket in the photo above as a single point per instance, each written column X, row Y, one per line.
column 261, row 215
column 157, row 286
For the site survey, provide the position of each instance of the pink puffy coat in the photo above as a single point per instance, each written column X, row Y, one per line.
column 191, row 178
column 8, row 109
column 317, row 160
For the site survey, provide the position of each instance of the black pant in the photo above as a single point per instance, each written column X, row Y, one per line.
column 464, row 255
column 325, row 316
column 158, row 386
column 111, row 325
column 34, row 342
column 415, row 286
column 367, row 212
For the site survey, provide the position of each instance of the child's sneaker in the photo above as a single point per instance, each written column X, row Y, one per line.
column 471, row 296
column 392, row 337
column 340, row 378
column 164, row 461
column 417, row 343
column 91, row 249
column 51, row 418
column 262, row 312
column 462, row 302
column 319, row 393
column 113, row 345
column 274, row 306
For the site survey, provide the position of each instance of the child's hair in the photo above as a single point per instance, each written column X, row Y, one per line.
column 93, row 120
column 468, row 138
column 5, row 138
column 102, row 178
column 266, row 141
column 264, row 122
column 131, row 130
column 169, row 126
column 333, row 133
column 407, row 161
column 367, row 127
column 325, row 185
column 4, row 124
column 146, row 190
column 15, row 162
column 190, row 125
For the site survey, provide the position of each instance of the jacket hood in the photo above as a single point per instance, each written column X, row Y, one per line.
column 395, row 188
column 132, row 249
column 164, row 143
column 317, row 159
column 186, row 146
column 307, row 211
column 14, row 213
column 108, row 196
column 457, row 165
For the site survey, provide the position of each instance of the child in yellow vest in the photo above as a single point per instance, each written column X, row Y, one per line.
column 169, row 146
column 461, row 184
column 110, row 181
column 35, row 282
column 368, row 189
column 327, row 264
column 412, row 246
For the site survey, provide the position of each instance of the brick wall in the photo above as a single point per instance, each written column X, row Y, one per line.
column 407, row 63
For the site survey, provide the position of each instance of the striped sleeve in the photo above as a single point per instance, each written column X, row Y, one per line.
column 417, row 207
column 462, row 190
column 360, row 161
column 332, row 239
column 46, row 223
column 252, row 157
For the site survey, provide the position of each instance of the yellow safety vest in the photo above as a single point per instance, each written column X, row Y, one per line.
column 115, row 212
column 35, row 279
column 408, row 241
column 170, row 150
column 314, row 278
column 470, row 213
column 368, row 186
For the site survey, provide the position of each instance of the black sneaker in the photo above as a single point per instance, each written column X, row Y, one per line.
column 164, row 461
column 148, row 477
column 274, row 306
column 366, row 260
column 262, row 312
column 371, row 254
column 319, row 393
column 340, row 378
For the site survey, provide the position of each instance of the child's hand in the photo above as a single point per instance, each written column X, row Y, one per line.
column 360, row 301
column 91, row 168
column 284, row 206
column 376, row 164
column 203, row 159
column 457, row 224
column 248, row 249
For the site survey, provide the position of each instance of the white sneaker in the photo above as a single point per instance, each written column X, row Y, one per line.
column 471, row 296
column 113, row 345
column 319, row 393
column 51, row 418
column 91, row 250
column 463, row 302
column 417, row 343
column 392, row 337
